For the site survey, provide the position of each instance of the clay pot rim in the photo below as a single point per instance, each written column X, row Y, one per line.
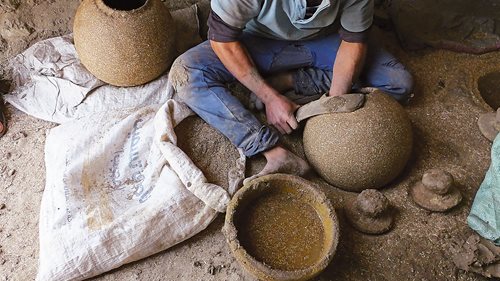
column 115, row 12
column 244, row 257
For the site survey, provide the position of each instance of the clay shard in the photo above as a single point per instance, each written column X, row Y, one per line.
column 436, row 192
column 489, row 124
column 370, row 212
column 480, row 256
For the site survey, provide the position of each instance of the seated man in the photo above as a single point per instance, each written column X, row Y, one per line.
column 312, row 47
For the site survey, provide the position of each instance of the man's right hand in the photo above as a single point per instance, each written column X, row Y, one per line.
column 280, row 113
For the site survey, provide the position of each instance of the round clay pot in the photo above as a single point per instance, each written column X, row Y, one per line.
column 367, row 148
column 270, row 233
column 124, row 43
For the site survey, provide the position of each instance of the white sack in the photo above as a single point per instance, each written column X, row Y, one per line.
column 118, row 190
column 50, row 83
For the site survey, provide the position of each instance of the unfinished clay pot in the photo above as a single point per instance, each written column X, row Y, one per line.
column 124, row 43
column 281, row 227
column 436, row 192
column 367, row 148
column 489, row 124
column 370, row 212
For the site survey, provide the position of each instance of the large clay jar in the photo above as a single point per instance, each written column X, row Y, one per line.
column 367, row 148
column 124, row 43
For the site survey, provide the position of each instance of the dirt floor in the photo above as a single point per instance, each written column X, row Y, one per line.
column 444, row 113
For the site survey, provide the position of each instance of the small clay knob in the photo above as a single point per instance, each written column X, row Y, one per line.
column 372, row 203
column 438, row 181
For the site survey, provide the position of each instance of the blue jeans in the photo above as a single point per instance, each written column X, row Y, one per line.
column 200, row 80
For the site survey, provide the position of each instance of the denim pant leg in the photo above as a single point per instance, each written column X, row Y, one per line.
column 382, row 70
column 200, row 78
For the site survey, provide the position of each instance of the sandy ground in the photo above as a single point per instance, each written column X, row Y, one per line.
column 444, row 113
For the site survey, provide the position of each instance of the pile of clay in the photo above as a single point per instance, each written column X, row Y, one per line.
column 280, row 227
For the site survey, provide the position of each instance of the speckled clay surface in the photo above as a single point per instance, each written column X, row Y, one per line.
column 124, row 48
column 367, row 148
column 291, row 186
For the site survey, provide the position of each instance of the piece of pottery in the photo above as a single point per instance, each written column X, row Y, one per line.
column 370, row 212
column 124, row 43
column 489, row 124
column 281, row 227
column 436, row 192
column 367, row 148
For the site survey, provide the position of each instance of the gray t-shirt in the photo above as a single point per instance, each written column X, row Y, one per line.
column 286, row 19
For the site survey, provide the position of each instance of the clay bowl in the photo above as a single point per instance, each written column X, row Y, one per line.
column 282, row 227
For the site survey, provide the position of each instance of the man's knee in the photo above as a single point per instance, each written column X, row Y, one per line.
column 180, row 72
column 406, row 85
column 401, row 87
column 186, row 75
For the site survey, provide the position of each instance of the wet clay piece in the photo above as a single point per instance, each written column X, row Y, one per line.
column 370, row 212
column 281, row 227
column 479, row 255
column 436, row 192
column 367, row 148
column 488, row 87
column 124, row 43
column 339, row 104
column 489, row 124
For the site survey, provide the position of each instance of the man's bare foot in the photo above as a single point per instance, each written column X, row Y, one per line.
column 280, row 160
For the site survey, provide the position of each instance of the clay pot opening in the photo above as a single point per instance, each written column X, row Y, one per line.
column 488, row 86
column 125, row 5
column 281, row 227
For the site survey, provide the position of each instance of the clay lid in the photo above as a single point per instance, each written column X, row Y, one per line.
column 370, row 212
column 436, row 192
column 489, row 124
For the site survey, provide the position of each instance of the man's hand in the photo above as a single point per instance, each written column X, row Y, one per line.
column 280, row 113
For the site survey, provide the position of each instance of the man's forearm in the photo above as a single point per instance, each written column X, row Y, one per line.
column 236, row 59
column 348, row 65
